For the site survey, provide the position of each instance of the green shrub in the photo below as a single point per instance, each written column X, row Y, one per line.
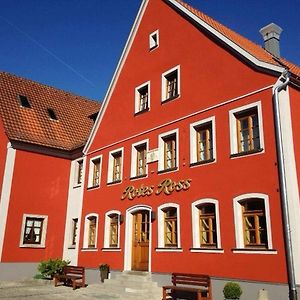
column 232, row 290
column 50, row 267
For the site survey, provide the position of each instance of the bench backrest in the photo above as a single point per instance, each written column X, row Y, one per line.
column 191, row 279
column 73, row 270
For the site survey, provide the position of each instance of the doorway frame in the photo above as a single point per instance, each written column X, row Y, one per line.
column 128, row 235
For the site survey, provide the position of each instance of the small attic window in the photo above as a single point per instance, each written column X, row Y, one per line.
column 51, row 114
column 24, row 101
column 153, row 40
column 94, row 117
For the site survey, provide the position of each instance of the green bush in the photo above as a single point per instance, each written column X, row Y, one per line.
column 232, row 290
column 50, row 267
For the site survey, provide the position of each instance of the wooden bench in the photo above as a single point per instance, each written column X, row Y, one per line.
column 186, row 284
column 71, row 274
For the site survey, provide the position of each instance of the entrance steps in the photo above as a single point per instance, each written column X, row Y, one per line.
column 133, row 286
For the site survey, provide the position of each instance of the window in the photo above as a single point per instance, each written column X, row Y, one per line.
column 74, row 231
column 94, row 172
column 170, row 220
column 168, row 227
column 246, row 130
column 115, row 166
column 24, row 101
column 170, row 84
column 206, row 225
column 33, row 233
column 139, row 159
column 168, row 151
column 154, row 40
column 112, row 230
column 51, row 114
column 202, row 141
column 252, row 222
column 90, row 231
column 33, row 230
column 78, row 172
column 142, row 98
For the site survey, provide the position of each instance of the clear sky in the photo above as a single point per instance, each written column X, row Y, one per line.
column 75, row 45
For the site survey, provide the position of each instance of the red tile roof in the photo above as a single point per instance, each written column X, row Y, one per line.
column 255, row 50
column 33, row 125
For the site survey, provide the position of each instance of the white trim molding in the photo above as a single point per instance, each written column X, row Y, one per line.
column 42, row 243
column 137, row 94
column 5, row 192
column 133, row 165
column 164, row 79
column 111, row 165
column 161, row 228
column 238, row 221
column 86, row 232
column 233, row 126
column 107, row 229
column 93, row 161
column 195, row 225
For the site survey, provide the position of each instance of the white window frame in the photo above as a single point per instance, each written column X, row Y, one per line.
column 154, row 42
column 161, row 228
column 193, row 138
column 107, row 231
column 238, row 223
column 137, row 97
column 71, row 232
column 86, row 232
column 91, row 171
column 195, row 226
column 161, row 150
column 233, row 126
column 133, row 166
column 76, row 169
column 44, row 231
column 111, row 165
column 164, row 81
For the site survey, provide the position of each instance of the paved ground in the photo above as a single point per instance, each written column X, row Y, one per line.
column 40, row 290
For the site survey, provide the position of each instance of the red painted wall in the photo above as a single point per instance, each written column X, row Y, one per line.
column 209, row 75
column 39, row 187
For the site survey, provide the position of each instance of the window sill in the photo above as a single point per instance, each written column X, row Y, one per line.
column 170, row 99
column 254, row 251
column 245, row 153
column 72, row 247
column 33, row 246
column 138, row 177
column 167, row 170
column 141, row 111
column 89, row 249
column 114, row 182
column 76, row 186
column 202, row 162
column 153, row 48
column 170, row 249
column 207, row 250
column 93, row 187
column 111, row 249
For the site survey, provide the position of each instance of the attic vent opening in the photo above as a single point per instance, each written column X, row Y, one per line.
column 52, row 114
column 24, row 101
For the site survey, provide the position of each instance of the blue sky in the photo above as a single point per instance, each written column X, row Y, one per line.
column 75, row 45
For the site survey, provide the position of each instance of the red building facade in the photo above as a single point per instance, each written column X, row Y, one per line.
column 181, row 167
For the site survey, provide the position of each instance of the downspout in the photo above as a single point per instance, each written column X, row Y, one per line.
column 279, row 86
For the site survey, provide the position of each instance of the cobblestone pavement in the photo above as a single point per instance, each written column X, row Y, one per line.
column 40, row 290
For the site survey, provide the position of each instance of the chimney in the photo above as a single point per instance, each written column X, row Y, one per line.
column 271, row 35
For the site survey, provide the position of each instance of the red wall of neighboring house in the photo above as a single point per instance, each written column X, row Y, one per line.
column 39, row 187
column 209, row 75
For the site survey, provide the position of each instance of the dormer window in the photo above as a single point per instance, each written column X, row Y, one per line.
column 153, row 40
column 24, row 101
column 51, row 114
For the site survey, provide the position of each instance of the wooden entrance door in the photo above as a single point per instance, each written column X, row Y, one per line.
column 140, row 243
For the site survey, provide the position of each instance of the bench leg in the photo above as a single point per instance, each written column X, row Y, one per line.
column 164, row 294
column 199, row 296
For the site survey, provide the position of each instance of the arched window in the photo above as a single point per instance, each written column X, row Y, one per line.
column 168, row 227
column 206, row 225
column 252, row 222
column 90, row 231
column 112, row 230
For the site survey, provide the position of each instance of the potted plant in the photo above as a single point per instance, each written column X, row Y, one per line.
column 232, row 290
column 104, row 270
